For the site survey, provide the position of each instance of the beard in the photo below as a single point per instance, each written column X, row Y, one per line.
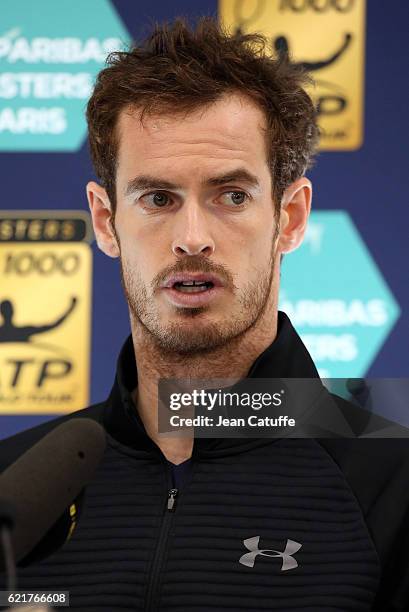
column 192, row 333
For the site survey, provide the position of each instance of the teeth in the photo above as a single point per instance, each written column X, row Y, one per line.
column 191, row 288
column 191, row 283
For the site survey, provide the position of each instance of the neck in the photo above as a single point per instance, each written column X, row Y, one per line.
column 233, row 361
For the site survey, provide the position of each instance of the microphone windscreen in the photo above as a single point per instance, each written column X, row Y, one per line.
column 45, row 480
column 57, row 536
column 7, row 513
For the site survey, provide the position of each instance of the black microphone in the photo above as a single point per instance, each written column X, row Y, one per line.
column 42, row 484
column 7, row 520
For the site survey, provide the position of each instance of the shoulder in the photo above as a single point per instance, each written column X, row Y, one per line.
column 371, row 465
column 15, row 446
column 377, row 471
column 372, row 462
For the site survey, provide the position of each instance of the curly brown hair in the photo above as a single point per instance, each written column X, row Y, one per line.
column 180, row 68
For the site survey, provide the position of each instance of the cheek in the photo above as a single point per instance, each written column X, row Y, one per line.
column 251, row 246
column 140, row 234
column 138, row 246
column 143, row 261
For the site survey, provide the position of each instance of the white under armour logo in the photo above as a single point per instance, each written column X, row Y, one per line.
column 289, row 562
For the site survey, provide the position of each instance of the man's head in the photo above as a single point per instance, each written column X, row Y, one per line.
column 201, row 141
column 6, row 311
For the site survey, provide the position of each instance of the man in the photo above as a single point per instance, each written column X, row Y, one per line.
column 201, row 142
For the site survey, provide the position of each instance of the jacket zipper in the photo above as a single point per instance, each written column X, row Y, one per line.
column 151, row 597
column 172, row 495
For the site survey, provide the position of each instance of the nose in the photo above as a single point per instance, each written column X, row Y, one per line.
column 192, row 233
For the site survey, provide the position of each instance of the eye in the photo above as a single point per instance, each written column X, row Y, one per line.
column 156, row 199
column 236, row 198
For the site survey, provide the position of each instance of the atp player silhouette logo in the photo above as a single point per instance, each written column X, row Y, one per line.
column 330, row 103
column 282, row 48
column 324, row 38
column 10, row 332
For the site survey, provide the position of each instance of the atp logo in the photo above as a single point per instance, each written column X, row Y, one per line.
column 288, row 561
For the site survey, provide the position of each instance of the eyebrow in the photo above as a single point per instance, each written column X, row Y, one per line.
column 145, row 181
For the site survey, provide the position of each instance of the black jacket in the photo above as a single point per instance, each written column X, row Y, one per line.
column 338, row 507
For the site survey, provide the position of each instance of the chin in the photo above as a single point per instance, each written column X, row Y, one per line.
column 190, row 336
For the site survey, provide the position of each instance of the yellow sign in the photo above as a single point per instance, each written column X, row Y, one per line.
column 45, row 305
column 327, row 38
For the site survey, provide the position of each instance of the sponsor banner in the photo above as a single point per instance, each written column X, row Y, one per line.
column 327, row 38
column 45, row 306
column 336, row 297
column 50, row 53
column 283, row 407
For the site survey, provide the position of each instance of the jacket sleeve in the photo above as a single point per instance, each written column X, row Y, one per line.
column 388, row 522
column 377, row 471
column 393, row 594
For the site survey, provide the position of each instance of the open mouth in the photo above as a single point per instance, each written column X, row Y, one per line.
column 189, row 290
column 192, row 286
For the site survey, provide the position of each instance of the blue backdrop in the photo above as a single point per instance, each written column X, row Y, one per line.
column 372, row 184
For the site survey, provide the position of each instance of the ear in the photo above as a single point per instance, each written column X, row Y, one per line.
column 295, row 210
column 101, row 212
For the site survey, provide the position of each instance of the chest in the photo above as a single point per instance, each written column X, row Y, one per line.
column 274, row 528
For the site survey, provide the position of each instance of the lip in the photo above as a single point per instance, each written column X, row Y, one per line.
column 191, row 276
column 191, row 300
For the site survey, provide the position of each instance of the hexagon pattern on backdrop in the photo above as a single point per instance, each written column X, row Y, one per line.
column 50, row 53
column 336, row 297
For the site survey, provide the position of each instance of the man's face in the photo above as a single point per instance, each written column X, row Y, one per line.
column 194, row 205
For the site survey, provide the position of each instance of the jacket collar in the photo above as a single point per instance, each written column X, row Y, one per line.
column 286, row 357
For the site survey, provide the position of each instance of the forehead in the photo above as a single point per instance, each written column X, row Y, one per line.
column 229, row 130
